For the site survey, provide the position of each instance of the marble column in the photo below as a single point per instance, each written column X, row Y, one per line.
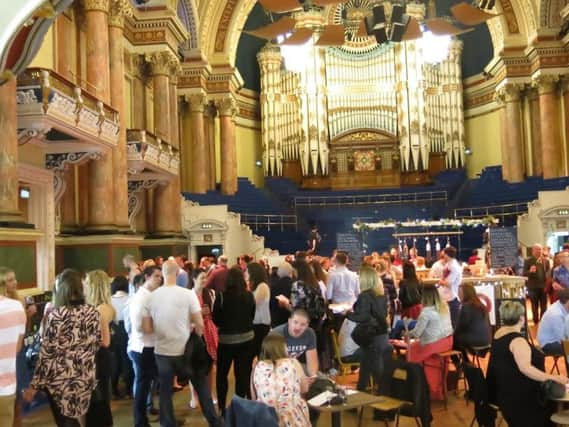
column 227, row 108
column 514, row 133
column 138, row 92
column 118, row 10
column 100, row 194
column 552, row 158
column 173, row 97
column 500, row 100
column 167, row 202
column 200, row 155
column 565, row 90
column 536, row 149
column 96, row 25
column 160, row 63
column 9, row 212
column 209, row 136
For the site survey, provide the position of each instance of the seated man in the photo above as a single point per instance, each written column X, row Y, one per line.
column 300, row 340
column 551, row 329
column 349, row 350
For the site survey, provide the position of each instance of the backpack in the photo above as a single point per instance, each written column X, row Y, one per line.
column 315, row 303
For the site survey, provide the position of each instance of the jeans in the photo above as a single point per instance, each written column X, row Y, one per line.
column 552, row 349
column 372, row 360
column 144, row 373
column 454, row 308
column 167, row 368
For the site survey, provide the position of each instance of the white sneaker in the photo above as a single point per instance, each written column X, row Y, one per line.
column 193, row 404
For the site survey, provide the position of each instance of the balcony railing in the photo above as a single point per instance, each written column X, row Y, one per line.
column 49, row 100
column 270, row 222
column 500, row 211
column 146, row 151
column 371, row 199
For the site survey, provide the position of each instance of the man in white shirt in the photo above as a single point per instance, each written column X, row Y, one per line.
column 141, row 345
column 171, row 311
column 450, row 281
column 343, row 284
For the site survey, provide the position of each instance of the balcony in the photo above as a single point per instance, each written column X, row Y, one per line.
column 148, row 154
column 62, row 115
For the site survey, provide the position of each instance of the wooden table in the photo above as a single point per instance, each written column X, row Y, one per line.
column 355, row 401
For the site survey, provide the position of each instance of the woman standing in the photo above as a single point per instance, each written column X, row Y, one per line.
column 516, row 371
column 409, row 292
column 370, row 311
column 66, row 366
column 233, row 313
column 122, row 366
column 206, row 297
column 279, row 381
column 262, row 321
column 98, row 287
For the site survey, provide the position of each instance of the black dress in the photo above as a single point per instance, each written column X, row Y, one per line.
column 472, row 328
column 517, row 396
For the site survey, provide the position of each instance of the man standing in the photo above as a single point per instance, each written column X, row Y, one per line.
column 12, row 329
column 300, row 340
column 535, row 269
column 343, row 284
column 218, row 277
column 141, row 345
column 561, row 272
column 171, row 311
column 450, row 281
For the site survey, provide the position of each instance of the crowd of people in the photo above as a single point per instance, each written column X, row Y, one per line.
column 167, row 323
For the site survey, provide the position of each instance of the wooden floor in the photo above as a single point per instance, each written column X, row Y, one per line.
column 457, row 413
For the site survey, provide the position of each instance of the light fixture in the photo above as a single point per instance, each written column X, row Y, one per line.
column 24, row 193
column 467, row 151
column 258, row 163
column 435, row 48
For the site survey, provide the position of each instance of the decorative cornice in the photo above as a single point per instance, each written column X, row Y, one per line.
column 96, row 5
column 119, row 9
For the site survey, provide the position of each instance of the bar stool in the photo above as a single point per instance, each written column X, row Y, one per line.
column 443, row 358
column 477, row 353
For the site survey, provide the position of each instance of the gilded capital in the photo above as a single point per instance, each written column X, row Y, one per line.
column 545, row 83
column 197, row 101
column 138, row 66
column 160, row 62
column 227, row 106
column 210, row 111
column 118, row 10
column 175, row 70
column 509, row 92
column 93, row 5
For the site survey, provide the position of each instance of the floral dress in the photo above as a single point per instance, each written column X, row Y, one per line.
column 210, row 330
column 66, row 366
column 279, row 386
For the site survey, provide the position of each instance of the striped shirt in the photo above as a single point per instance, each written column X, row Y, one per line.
column 12, row 325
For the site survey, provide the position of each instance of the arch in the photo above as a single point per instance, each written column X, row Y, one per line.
column 549, row 16
column 187, row 12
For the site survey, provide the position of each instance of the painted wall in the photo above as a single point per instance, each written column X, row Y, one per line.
column 46, row 56
column 248, row 152
column 482, row 133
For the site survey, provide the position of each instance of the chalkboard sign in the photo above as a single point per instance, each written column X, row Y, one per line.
column 503, row 247
column 351, row 244
column 499, row 322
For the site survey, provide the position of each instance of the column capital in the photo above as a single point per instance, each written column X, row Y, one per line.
column 227, row 106
column 510, row 92
column 210, row 111
column 93, row 5
column 564, row 84
column 160, row 62
column 545, row 83
column 175, row 70
column 118, row 10
column 197, row 101
column 138, row 66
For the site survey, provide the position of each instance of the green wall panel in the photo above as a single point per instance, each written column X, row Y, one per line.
column 22, row 259
column 86, row 258
column 118, row 253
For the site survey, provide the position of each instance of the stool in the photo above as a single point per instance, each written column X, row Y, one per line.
column 444, row 356
column 478, row 352
column 555, row 366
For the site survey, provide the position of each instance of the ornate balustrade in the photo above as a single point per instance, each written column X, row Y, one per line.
column 148, row 152
column 47, row 101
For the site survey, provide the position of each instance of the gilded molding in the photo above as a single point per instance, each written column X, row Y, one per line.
column 96, row 5
column 119, row 9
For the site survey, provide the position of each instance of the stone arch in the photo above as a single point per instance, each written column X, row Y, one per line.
column 549, row 16
column 187, row 12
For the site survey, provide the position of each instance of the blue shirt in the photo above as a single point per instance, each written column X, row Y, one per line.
column 552, row 325
column 561, row 276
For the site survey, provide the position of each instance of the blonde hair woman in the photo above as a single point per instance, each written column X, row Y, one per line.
column 370, row 314
column 434, row 331
column 98, row 290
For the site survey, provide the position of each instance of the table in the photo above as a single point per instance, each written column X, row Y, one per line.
column 355, row 401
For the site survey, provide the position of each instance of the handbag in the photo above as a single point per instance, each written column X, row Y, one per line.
column 364, row 333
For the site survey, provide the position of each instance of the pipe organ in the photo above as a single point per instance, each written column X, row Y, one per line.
column 390, row 91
